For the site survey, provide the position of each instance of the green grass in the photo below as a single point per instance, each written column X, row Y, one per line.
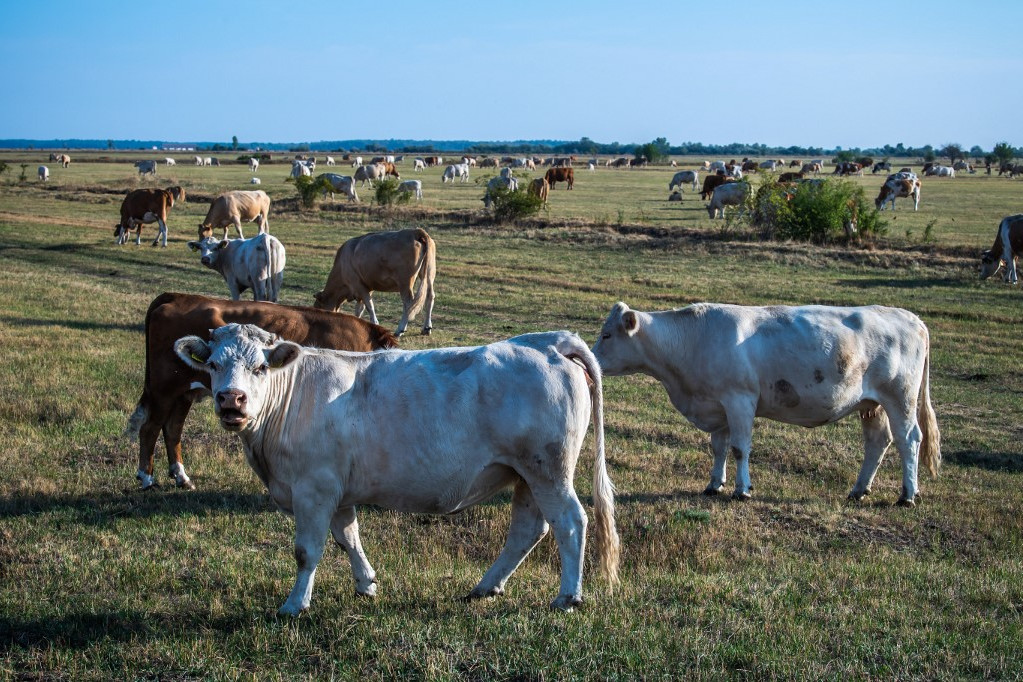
column 102, row 581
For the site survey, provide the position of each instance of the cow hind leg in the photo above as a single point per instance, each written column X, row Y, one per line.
column 312, row 518
column 149, row 433
column 527, row 528
column 172, row 429
column 562, row 510
column 907, row 436
column 877, row 436
column 345, row 529
column 406, row 306
column 740, row 439
column 718, row 475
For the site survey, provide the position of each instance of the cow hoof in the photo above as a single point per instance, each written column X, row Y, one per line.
column 710, row 491
column 480, row 593
column 289, row 610
column 905, row 502
column 741, row 496
column 567, row 602
column 186, row 484
column 856, row 496
column 368, row 593
column 427, row 331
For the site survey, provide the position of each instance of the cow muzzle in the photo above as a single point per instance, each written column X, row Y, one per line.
column 231, row 408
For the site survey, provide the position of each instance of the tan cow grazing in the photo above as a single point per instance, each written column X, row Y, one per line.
column 170, row 387
column 144, row 206
column 539, row 187
column 235, row 208
column 383, row 261
column 1008, row 245
column 561, row 174
column 63, row 159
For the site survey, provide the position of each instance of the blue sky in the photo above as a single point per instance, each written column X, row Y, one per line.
column 805, row 73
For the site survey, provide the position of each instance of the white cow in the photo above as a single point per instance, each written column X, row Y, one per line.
column 724, row 365
column 344, row 184
column 459, row 170
column 374, row 171
column 942, row 171
column 413, row 186
column 716, row 166
column 207, row 161
column 253, row 164
column 300, row 168
column 256, row 263
column 328, row 430
column 356, row 162
column 44, row 173
column 254, row 181
column 507, row 172
column 770, row 165
column 498, row 182
column 170, row 162
column 685, row 177
column 728, row 194
column 146, row 167
column 418, row 165
column 198, row 160
column 330, row 161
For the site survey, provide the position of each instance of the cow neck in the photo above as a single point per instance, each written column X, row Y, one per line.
column 668, row 337
column 262, row 439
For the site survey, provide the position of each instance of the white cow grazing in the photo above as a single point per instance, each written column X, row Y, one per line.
column 146, row 167
column 724, row 365
column 498, row 182
column 330, row 161
column 328, row 430
column 299, row 169
column 253, row 164
column 728, row 194
column 771, row 165
column 344, row 184
column 207, row 161
column 44, row 173
column 418, row 165
column 198, row 160
column 170, row 162
column 256, row 263
column 592, row 167
column 682, row 177
column 459, row 170
column 356, row 162
column 715, row 166
column 412, row 186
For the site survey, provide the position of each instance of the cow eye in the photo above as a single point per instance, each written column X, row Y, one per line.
column 605, row 336
column 212, row 365
column 262, row 369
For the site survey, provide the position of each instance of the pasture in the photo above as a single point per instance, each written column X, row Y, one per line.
column 101, row 580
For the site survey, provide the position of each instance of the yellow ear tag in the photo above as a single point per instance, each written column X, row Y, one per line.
column 196, row 357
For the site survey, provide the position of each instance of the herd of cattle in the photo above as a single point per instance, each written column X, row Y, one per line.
column 332, row 414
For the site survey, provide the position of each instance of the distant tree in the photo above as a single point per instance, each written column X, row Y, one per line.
column 1004, row 152
column 843, row 155
column 653, row 151
column 234, row 142
column 953, row 150
column 976, row 152
column 110, row 144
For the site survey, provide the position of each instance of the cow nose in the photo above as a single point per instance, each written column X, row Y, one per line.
column 231, row 400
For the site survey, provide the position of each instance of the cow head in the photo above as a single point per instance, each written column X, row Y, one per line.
column 334, row 299
column 989, row 264
column 617, row 349
column 209, row 250
column 239, row 359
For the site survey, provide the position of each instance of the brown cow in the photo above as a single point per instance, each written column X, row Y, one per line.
column 539, row 187
column 235, row 208
column 560, row 175
column 712, row 182
column 790, row 177
column 171, row 387
column 383, row 261
column 142, row 206
column 1008, row 245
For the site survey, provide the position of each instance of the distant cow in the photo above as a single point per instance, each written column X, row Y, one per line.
column 256, row 263
column 253, row 164
column 414, row 187
column 214, row 162
column 198, row 160
column 235, row 208
column 941, row 171
column 146, row 167
column 170, row 162
column 539, row 188
column 881, row 166
column 330, row 161
column 144, row 206
column 460, row 171
column 847, row 168
column 170, row 387
column 728, row 194
column 429, row 431
column 207, row 161
column 44, row 173
column 684, row 177
column 790, row 177
column 63, row 159
column 712, row 182
column 1007, row 247
column 364, row 174
column 255, row 181
column 811, row 168
column 344, row 184
column 725, row 365
column 418, row 165
column 555, row 175
column 500, row 182
column 383, row 261
column 899, row 185
column 300, row 169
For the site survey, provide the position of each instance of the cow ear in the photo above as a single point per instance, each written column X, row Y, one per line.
column 193, row 351
column 630, row 322
column 193, row 245
column 223, row 244
column 283, row 354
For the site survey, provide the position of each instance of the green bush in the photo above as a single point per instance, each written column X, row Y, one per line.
column 387, row 193
column 819, row 211
column 509, row 205
column 309, row 189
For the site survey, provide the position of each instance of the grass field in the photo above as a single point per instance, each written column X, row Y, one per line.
column 101, row 581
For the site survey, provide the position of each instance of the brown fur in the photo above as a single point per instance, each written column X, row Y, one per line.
column 560, row 174
column 141, row 201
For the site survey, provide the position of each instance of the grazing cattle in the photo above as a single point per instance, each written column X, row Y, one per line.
column 790, row 177
column 819, row 162
column 539, row 187
column 170, row 388
column 330, row 161
column 384, row 261
column 214, row 162
column 370, row 173
column 684, row 177
column 391, row 169
column 418, row 165
column 146, row 167
column 640, row 162
column 963, row 166
column 198, row 160
column 795, row 163
column 899, row 185
column 941, row 171
column 253, row 164
column 469, row 161
column 299, row 169
column 1007, row 247
column 356, row 161
column 460, row 171
column 712, row 182
column 63, row 159
column 235, row 208
column 256, row 263
column 412, row 187
column 749, row 166
column 716, row 166
column 771, row 165
column 489, row 163
column 207, row 161
column 322, row 431
column 378, row 159
column 254, row 181
column 881, row 166
column 345, row 184
column 728, row 194
column 555, row 175
column 498, row 183
column 847, row 168
column 811, row 167
column 44, row 173
column 144, row 206
column 431, row 161
column 620, row 162
column 170, row 162
column 724, row 365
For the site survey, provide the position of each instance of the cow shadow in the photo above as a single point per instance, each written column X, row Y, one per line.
column 1008, row 462
column 910, row 283
column 80, row 325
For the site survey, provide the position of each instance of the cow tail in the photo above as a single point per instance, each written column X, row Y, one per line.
column 427, row 269
column 930, row 442
column 606, row 539
column 275, row 271
column 141, row 414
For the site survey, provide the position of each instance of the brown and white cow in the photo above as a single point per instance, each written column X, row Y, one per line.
column 899, row 185
column 539, row 187
column 143, row 206
column 63, row 159
column 383, row 261
column 235, row 208
column 1007, row 247
column 170, row 387
column 560, row 174
column 712, row 182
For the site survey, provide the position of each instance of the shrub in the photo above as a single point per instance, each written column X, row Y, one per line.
column 814, row 211
column 509, row 205
column 309, row 189
column 387, row 193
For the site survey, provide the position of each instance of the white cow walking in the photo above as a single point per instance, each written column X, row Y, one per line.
column 725, row 365
column 256, row 263
column 328, row 430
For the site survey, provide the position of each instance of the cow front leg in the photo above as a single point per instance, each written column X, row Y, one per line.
column 527, row 528
column 149, row 433
column 740, row 439
column 719, row 448
column 876, row 439
column 237, row 228
column 345, row 529
column 367, row 300
column 312, row 518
